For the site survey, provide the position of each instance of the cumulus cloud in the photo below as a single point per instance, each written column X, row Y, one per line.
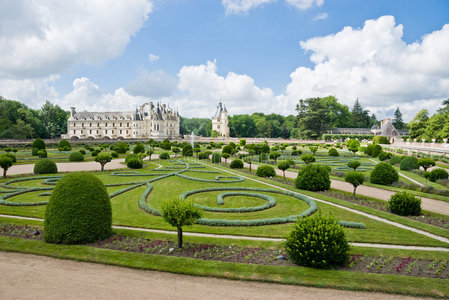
column 153, row 58
column 305, row 4
column 40, row 38
column 374, row 64
column 320, row 16
column 242, row 6
column 156, row 84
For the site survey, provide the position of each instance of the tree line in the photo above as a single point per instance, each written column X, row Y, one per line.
column 425, row 128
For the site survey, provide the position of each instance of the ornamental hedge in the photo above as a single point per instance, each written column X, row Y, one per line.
column 318, row 242
column 333, row 152
column 76, row 156
column 79, row 211
column 405, row 204
column 45, row 166
column 216, row 158
column 164, row 155
column 187, row 150
column 313, row 178
column 409, row 163
column 134, row 163
column 38, row 144
column 438, row 174
column 384, row 173
column 265, row 171
column 236, row 164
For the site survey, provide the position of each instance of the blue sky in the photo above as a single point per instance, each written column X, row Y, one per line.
column 245, row 52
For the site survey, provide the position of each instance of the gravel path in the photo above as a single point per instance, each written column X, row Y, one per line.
column 26, row 276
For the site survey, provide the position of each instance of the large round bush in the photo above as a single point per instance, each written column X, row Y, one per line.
column 164, row 155
column 134, row 163
column 76, row 156
column 216, row 158
column 130, row 156
column 38, row 144
column 79, row 211
column 138, row 148
column 318, row 242
column 236, row 164
column 396, row 159
column 64, row 145
column 42, row 153
column 438, row 174
column 384, row 173
column 45, row 166
column 121, row 148
column 265, row 171
column 333, row 152
column 313, row 178
column 405, row 204
column 376, row 150
column 187, row 150
column 409, row 163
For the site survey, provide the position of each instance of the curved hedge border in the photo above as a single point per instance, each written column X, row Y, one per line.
column 220, row 201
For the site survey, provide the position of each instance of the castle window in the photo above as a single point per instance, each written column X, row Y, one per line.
column 81, row 132
column 106, row 125
column 120, row 131
column 90, row 124
column 127, row 124
column 120, row 124
column 126, row 131
column 113, row 124
column 74, row 131
column 82, row 124
column 97, row 131
column 218, row 126
column 106, row 131
column 112, row 131
column 98, row 124
column 90, row 131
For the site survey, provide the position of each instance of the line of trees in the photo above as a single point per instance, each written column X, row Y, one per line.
column 423, row 127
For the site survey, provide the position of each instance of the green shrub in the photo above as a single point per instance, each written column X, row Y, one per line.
column 381, row 140
column 5, row 163
column 318, row 242
column 333, row 152
column 79, row 211
column 34, row 151
column 369, row 149
column 396, row 160
column 164, row 155
column 265, row 171
column 384, row 173
column 313, row 178
column 307, row 158
column 354, row 178
column 65, row 145
column 114, row 154
column 216, row 158
column 284, row 165
column 353, row 145
column 134, row 163
column 236, row 164
column 354, row 164
column 409, row 163
column 121, row 148
column 38, row 144
column 187, row 150
column 42, row 153
column 82, row 151
column 228, row 149
column 130, row 156
column 384, row 155
column 95, row 152
column 138, row 148
column 438, row 174
column 426, row 163
column 405, row 204
column 376, row 150
column 12, row 156
column 76, row 156
column 45, row 166
column 103, row 159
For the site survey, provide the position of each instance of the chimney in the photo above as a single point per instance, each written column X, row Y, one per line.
column 72, row 111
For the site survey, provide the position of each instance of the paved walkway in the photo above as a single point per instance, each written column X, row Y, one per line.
column 26, row 276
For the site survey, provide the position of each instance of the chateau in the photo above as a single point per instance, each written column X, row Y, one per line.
column 220, row 121
column 149, row 121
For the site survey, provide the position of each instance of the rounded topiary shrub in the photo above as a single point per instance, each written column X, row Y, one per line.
column 384, row 155
column 34, row 151
column 134, row 163
column 79, row 211
column 164, row 155
column 265, row 171
column 130, row 156
column 438, row 174
column 313, row 178
column 405, row 204
column 236, row 164
column 82, row 151
column 369, row 149
column 38, row 144
column 409, row 163
column 216, row 158
column 42, row 153
column 396, row 160
column 76, row 156
column 121, row 147
column 187, row 150
column 318, row 242
column 384, row 173
column 333, row 152
column 376, row 150
column 114, row 154
column 64, row 145
column 138, row 148
column 45, row 166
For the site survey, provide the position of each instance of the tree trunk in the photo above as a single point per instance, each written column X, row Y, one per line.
column 179, row 237
column 4, row 173
column 353, row 195
column 102, row 167
column 284, row 175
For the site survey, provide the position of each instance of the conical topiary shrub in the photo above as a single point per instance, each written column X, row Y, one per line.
column 79, row 211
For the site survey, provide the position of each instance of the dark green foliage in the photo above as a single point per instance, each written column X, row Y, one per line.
column 38, row 144
column 130, row 156
column 318, row 242
column 82, row 151
column 95, row 152
column 385, row 155
column 426, row 163
column 225, row 156
column 65, row 145
column 34, row 151
column 376, row 150
column 405, row 204
column 354, row 178
column 354, row 164
column 369, row 149
column 176, row 150
column 353, row 145
column 396, row 160
column 203, row 155
column 333, row 152
column 12, row 156
column 381, row 140
column 5, row 162
column 409, row 163
column 438, row 174
column 284, row 165
column 166, row 145
column 307, row 158
column 114, row 154
column 103, row 159
column 138, row 148
column 76, row 156
column 134, row 163
column 228, row 149
column 236, row 164
column 79, row 211
column 164, row 155
column 313, row 178
column 274, row 155
column 45, row 166
column 187, row 150
column 121, row 148
column 265, row 171
column 384, row 173
column 216, row 158
column 42, row 153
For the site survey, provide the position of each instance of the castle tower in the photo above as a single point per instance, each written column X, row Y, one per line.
column 220, row 121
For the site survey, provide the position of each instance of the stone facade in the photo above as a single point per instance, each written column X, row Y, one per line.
column 220, row 121
column 149, row 121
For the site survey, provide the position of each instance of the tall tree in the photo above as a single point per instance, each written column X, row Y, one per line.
column 339, row 114
column 418, row 125
column 397, row 121
column 242, row 126
column 54, row 119
column 313, row 118
column 359, row 117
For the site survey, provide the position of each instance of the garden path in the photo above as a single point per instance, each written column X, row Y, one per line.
column 26, row 276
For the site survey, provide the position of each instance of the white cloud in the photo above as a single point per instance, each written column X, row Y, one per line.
column 374, row 64
column 153, row 58
column 156, row 84
column 40, row 38
column 320, row 16
column 305, row 4
column 242, row 6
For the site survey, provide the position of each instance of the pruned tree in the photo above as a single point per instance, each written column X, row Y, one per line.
column 354, row 178
column 103, row 159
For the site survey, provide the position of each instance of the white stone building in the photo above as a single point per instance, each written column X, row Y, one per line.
column 149, row 121
column 220, row 121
